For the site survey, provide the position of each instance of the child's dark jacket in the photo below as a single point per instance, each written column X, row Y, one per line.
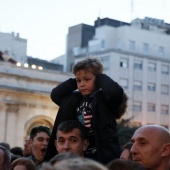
column 105, row 103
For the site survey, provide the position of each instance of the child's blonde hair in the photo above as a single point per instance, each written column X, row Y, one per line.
column 91, row 64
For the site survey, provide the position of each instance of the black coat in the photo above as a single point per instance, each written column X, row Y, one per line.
column 104, row 105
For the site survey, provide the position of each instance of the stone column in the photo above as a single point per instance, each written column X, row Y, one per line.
column 3, row 121
column 11, row 126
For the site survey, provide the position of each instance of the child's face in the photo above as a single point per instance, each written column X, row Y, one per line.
column 85, row 82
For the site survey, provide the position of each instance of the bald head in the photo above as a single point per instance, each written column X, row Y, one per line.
column 151, row 147
column 155, row 131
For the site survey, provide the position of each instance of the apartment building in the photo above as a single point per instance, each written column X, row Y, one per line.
column 13, row 45
column 137, row 56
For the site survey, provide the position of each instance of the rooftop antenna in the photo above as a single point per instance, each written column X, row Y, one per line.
column 99, row 12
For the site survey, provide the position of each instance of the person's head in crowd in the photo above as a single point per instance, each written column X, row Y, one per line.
column 62, row 156
column 90, row 67
column 17, row 151
column 76, row 164
column 14, row 157
column 23, row 164
column 70, row 137
column 125, row 154
column 122, row 164
column 39, row 138
column 5, row 144
column 5, row 158
column 151, row 147
column 27, row 151
column 94, row 65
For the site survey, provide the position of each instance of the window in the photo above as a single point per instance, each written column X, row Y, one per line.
column 164, row 109
column 146, row 47
column 165, row 69
column 138, row 85
column 105, row 61
column 151, row 107
column 145, row 26
column 151, row 87
column 138, row 65
column 132, row 45
column 152, row 67
column 164, row 89
column 137, row 107
column 124, row 62
column 161, row 51
column 124, row 83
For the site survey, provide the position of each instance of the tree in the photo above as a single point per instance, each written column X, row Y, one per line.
column 126, row 130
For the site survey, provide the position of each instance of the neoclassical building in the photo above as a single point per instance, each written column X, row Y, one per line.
column 25, row 100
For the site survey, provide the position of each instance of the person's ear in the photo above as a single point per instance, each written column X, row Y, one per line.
column 166, row 150
column 85, row 145
column 30, row 141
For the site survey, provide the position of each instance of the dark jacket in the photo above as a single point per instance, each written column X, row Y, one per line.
column 105, row 103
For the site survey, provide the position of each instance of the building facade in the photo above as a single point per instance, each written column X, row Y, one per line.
column 77, row 37
column 25, row 100
column 137, row 56
column 13, row 45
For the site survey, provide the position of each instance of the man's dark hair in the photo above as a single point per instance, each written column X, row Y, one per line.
column 128, row 146
column 6, row 145
column 14, row 157
column 7, row 155
column 38, row 129
column 69, row 125
column 121, row 164
column 17, row 150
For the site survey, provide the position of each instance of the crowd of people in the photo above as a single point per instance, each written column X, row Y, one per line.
column 84, row 135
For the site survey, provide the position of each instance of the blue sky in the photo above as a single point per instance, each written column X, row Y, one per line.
column 44, row 23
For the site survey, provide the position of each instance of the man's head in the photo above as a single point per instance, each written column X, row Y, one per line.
column 6, row 145
column 86, row 71
column 71, row 137
column 125, row 154
column 151, row 147
column 39, row 138
column 79, row 164
column 62, row 156
column 123, row 164
column 27, row 151
column 17, row 151
column 5, row 158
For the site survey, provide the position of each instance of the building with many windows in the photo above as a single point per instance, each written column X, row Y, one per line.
column 137, row 56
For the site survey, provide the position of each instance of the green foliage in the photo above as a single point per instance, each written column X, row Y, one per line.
column 125, row 130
